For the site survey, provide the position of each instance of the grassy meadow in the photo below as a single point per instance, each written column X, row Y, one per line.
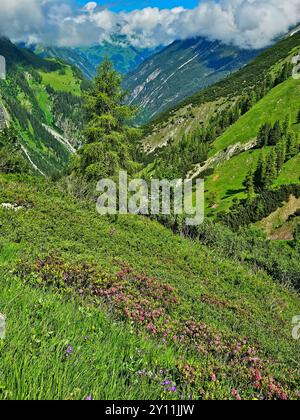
column 114, row 309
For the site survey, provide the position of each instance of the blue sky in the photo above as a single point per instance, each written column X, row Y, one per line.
column 131, row 4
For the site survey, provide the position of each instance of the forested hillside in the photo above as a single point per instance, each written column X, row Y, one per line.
column 241, row 135
column 41, row 101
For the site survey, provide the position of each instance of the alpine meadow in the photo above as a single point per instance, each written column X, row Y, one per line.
column 181, row 283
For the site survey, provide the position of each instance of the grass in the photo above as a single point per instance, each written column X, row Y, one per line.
column 290, row 173
column 105, row 359
column 278, row 224
column 44, row 102
column 228, row 298
column 226, row 183
column 62, row 81
column 283, row 100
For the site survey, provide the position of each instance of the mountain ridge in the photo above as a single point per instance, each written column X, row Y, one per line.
column 123, row 55
column 180, row 70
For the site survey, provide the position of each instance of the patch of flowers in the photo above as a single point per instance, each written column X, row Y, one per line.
column 152, row 307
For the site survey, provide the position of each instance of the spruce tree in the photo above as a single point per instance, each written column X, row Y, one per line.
column 271, row 171
column 110, row 142
column 264, row 135
column 292, row 146
column 275, row 134
column 280, row 155
column 286, row 126
column 259, row 175
column 249, row 185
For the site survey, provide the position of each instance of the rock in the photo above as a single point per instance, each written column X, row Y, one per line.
column 9, row 206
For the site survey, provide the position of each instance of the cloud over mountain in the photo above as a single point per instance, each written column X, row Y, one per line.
column 245, row 23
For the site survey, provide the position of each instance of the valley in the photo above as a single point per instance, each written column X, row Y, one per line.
column 114, row 307
column 124, row 56
column 41, row 101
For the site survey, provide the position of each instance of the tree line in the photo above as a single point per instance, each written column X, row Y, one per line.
column 284, row 146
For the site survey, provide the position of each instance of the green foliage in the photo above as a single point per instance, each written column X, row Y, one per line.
column 211, row 325
column 57, row 348
column 175, row 161
column 19, row 57
column 36, row 111
column 110, row 142
column 280, row 260
column 11, row 158
column 287, row 146
column 243, row 213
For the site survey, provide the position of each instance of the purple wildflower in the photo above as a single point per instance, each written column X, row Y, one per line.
column 89, row 398
column 69, row 351
column 166, row 383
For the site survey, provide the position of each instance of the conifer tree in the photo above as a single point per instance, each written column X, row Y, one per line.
column 259, row 175
column 264, row 135
column 249, row 185
column 110, row 142
column 271, row 170
column 286, row 126
column 292, row 146
column 275, row 134
column 280, row 155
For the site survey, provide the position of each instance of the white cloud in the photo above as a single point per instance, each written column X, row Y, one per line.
column 245, row 23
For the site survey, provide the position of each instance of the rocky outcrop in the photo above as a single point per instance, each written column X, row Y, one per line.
column 221, row 157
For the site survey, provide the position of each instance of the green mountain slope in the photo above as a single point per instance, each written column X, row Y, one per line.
column 215, row 133
column 41, row 100
column 194, row 324
column 283, row 100
column 124, row 56
column 180, row 70
column 197, row 110
column 226, row 183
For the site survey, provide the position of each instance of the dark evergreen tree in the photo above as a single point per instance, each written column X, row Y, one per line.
column 259, row 175
column 264, row 135
column 271, row 170
column 280, row 155
column 275, row 134
column 292, row 147
column 249, row 185
column 286, row 126
column 110, row 142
